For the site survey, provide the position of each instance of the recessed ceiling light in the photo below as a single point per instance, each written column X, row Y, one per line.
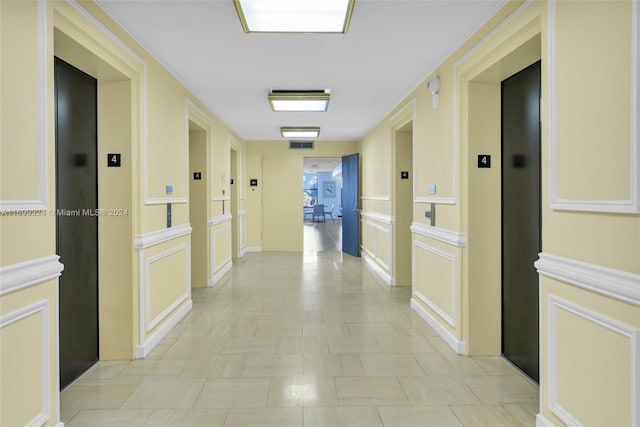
column 294, row 16
column 307, row 100
column 299, row 132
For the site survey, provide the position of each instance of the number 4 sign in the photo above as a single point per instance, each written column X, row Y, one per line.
column 484, row 161
column 113, row 160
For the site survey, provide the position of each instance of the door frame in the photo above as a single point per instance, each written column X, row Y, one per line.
column 98, row 53
column 479, row 127
column 400, row 122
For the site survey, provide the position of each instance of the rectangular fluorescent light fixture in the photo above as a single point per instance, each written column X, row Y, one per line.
column 312, row 100
column 294, row 16
column 299, row 132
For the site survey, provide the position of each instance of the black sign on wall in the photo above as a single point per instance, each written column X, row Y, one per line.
column 113, row 160
column 484, row 161
column 197, row 175
column 404, row 175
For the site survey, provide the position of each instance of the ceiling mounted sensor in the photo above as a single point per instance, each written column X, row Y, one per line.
column 299, row 132
column 289, row 16
column 299, row 100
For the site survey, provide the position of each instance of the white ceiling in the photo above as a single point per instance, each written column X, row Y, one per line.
column 391, row 46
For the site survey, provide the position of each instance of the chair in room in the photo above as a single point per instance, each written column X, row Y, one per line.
column 318, row 211
column 330, row 212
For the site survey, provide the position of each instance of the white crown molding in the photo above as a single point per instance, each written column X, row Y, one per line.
column 40, row 308
column 42, row 120
column 631, row 205
column 143, row 241
column 220, row 219
column 447, row 236
column 22, row 275
column 620, row 285
column 626, row 331
column 375, row 216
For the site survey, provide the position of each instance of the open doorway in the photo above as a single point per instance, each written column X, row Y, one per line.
column 322, row 204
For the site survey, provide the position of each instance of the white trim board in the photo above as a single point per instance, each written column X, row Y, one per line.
column 220, row 219
column 632, row 334
column 143, row 241
column 620, row 285
column 22, row 275
column 631, row 205
column 42, row 120
column 375, row 216
column 456, row 345
column 449, row 318
column 143, row 350
column 39, row 308
column 152, row 323
column 441, row 234
column 371, row 263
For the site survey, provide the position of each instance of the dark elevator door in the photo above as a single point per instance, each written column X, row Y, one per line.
column 521, row 219
column 76, row 222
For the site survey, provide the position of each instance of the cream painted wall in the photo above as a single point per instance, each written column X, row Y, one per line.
column 403, row 212
column 591, row 226
column 145, row 267
column 198, row 208
column 278, row 151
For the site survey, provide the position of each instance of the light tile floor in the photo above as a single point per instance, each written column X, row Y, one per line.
column 302, row 339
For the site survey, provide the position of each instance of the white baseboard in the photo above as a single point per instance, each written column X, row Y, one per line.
column 253, row 249
column 458, row 346
column 143, row 350
column 220, row 273
column 541, row 421
column 386, row 278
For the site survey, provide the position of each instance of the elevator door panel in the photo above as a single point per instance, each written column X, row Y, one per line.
column 521, row 219
column 76, row 220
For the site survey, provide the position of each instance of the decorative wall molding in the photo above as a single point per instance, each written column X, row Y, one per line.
column 220, row 198
column 220, row 219
column 382, row 273
column 143, row 350
column 449, row 318
column 630, row 333
column 40, row 308
column 42, row 120
column 219, row 270
column 370, row 250
column 242, row 233
column 456, row 345
column 620, row 285
column 631, row 205
column 453, row 238
column 541, row 421
column 152, row 323
column 437, row 200
column 22, row 275
column 143, row 241
column 378, row 198
column 375, row 216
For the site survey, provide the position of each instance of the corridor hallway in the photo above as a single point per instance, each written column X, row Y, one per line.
column 302, row 339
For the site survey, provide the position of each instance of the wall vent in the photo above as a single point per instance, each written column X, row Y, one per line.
column 300, row 145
